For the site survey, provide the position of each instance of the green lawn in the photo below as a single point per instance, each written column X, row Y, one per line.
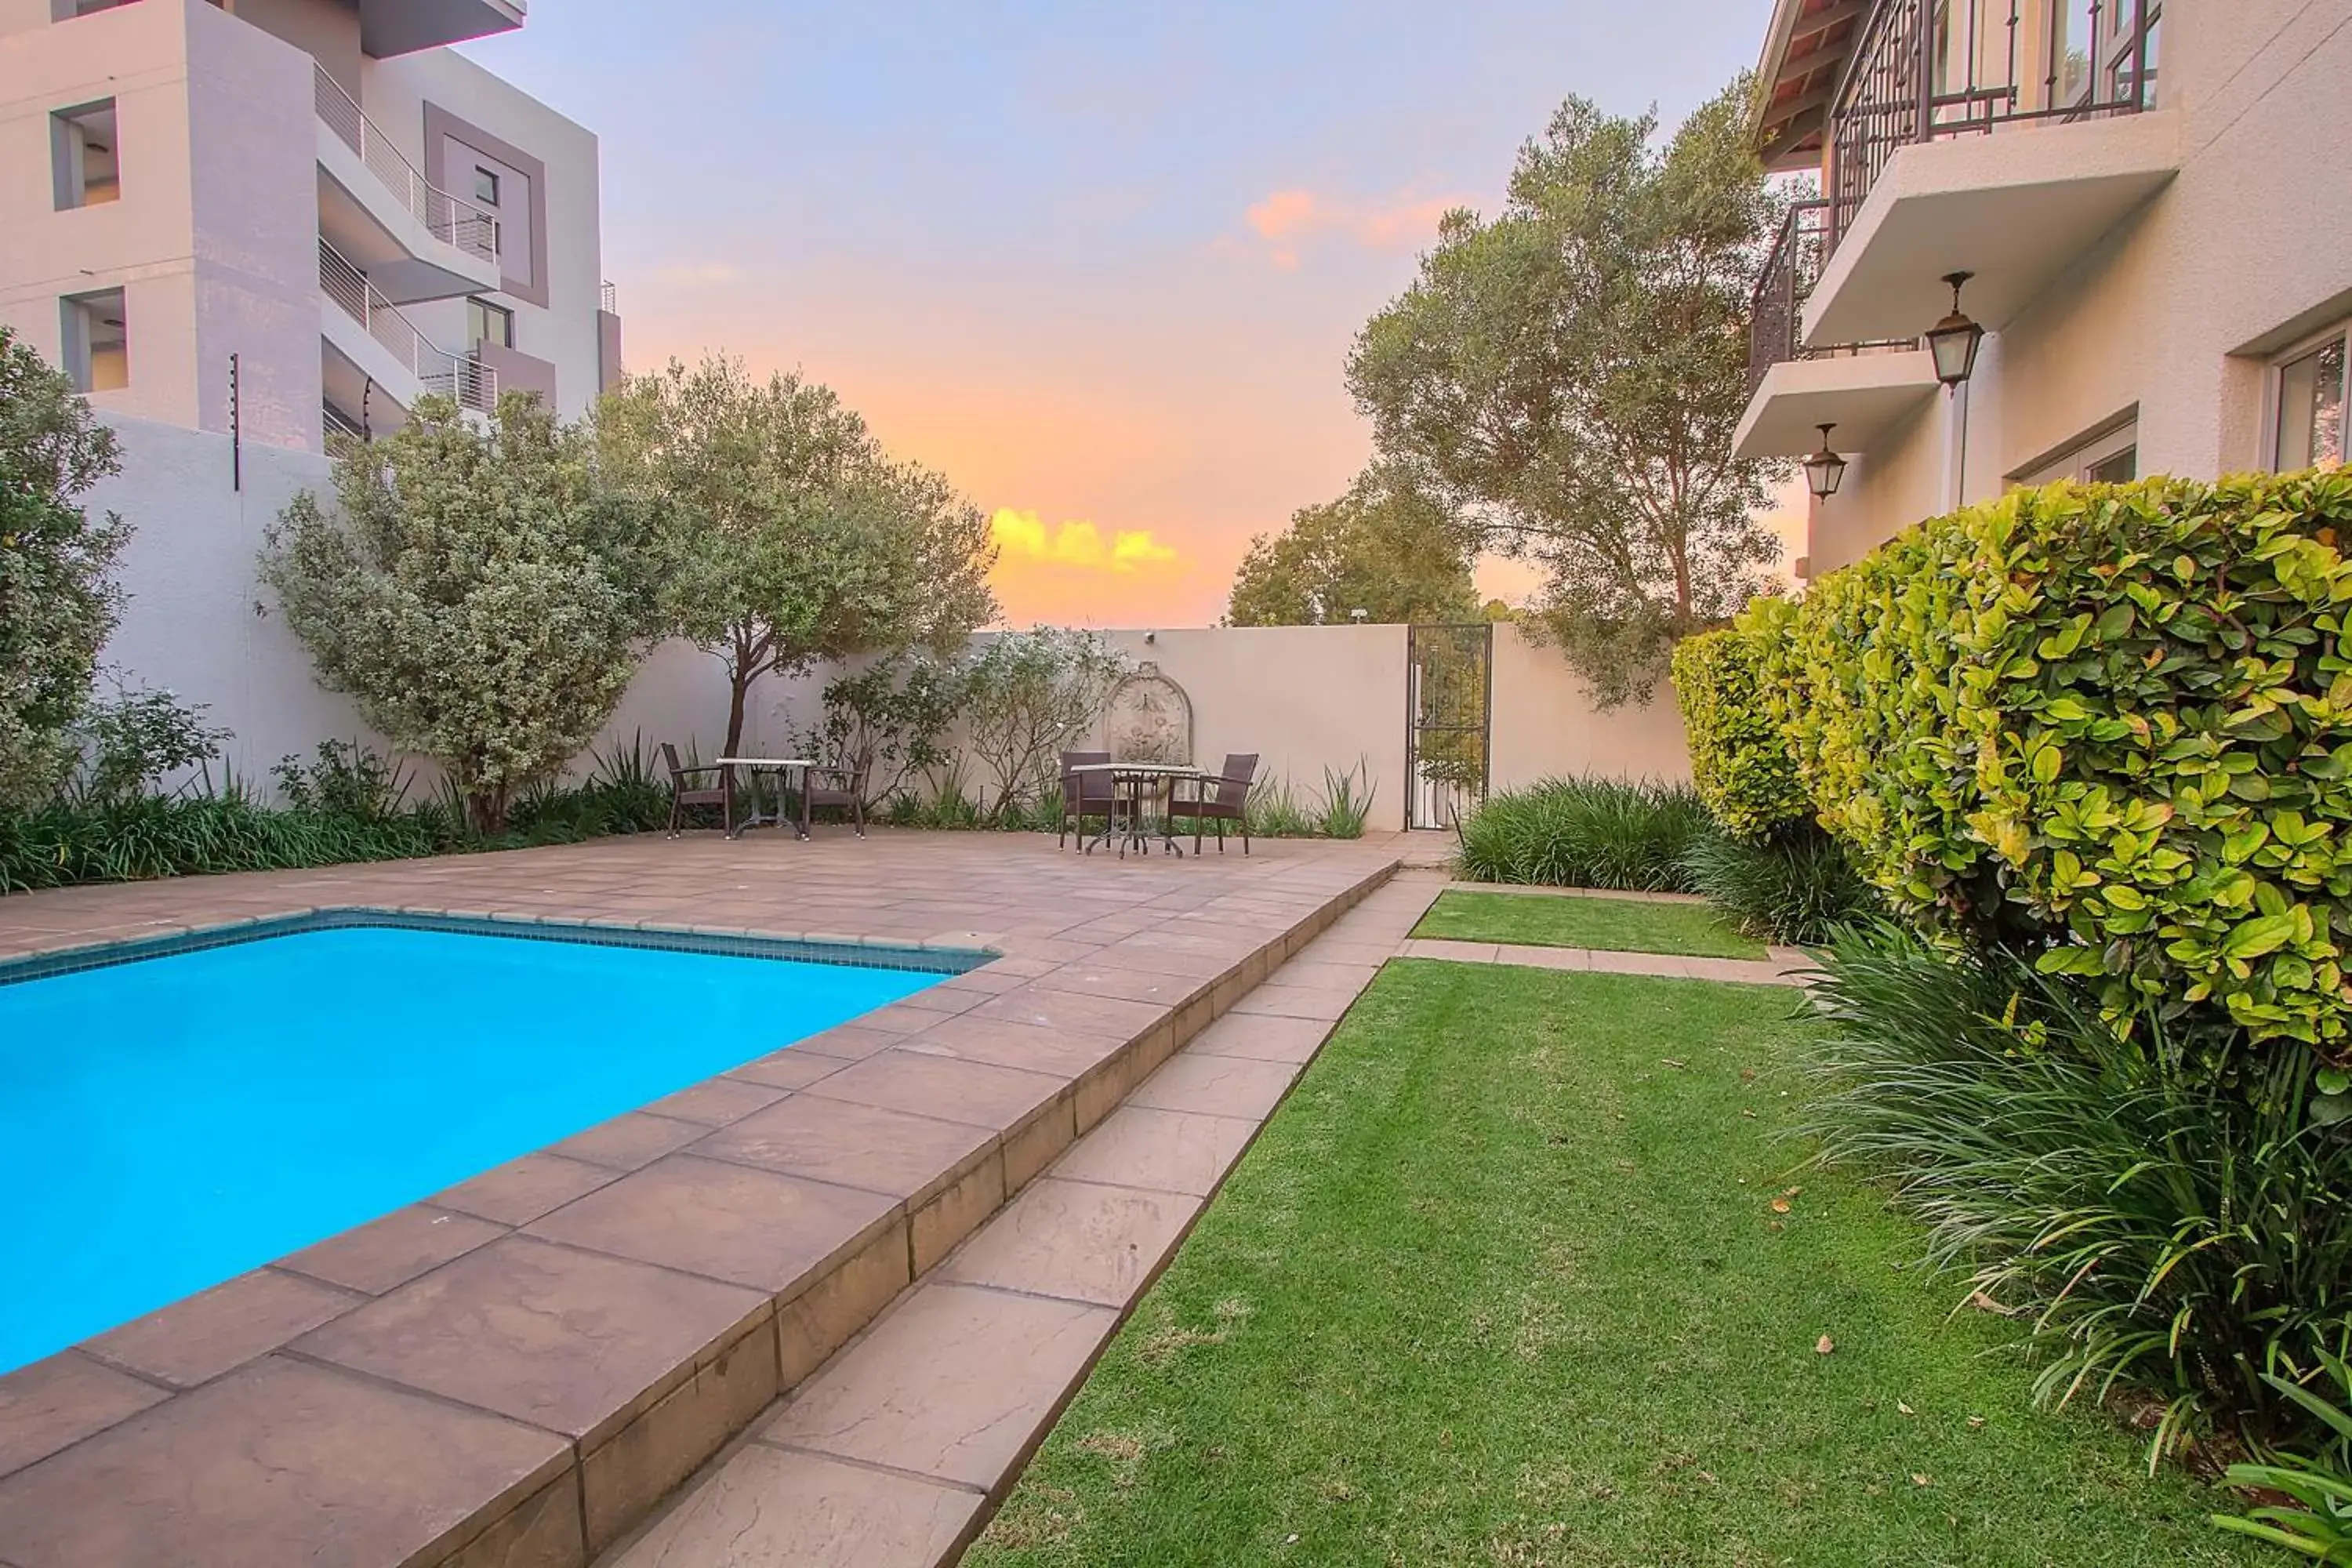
column 1625, row 925
column 1505, row 1282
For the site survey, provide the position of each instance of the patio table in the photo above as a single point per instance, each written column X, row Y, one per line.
column 1132, row 783
column 783, row 768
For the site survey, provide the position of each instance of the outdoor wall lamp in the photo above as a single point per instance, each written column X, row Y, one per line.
column 1955, row 338
column 1824, row 470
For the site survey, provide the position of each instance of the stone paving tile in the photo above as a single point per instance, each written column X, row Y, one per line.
column 907, row 1157
column 521, row 1190
column 1165, row 1151
column 750, row 1228
column 201, row 1336
column 61, row 1400
column 1606, row 961
column 788, row 1069
column 715, row 1101
column 954, row 1384
column 1216, row 1086
column 1321, row 1002
column 629, row 1142
column 849, row 1042
column 766, row 1508
column 1000, row 1042
column 1453, row 952
column 565, row 1340
column 1313, row 969
column 284, row 1463
column 1072, row 1012
column 1263, row 1037
column 393, row 1250
column 1076, row 1241
column 943, row 1087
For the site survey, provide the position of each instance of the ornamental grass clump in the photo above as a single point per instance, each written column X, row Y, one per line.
column 1616, row 833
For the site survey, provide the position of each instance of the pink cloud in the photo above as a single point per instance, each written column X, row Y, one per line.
column 1286, row 221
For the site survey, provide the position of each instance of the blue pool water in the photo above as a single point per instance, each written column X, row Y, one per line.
column 170, row 1122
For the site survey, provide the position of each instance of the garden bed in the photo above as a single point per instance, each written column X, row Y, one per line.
column 1509, row 1279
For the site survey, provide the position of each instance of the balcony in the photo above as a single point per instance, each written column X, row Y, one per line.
column 2003, row 138
column 414, row 240
column 390, row 27
column 1793, row 390
column 370, row 345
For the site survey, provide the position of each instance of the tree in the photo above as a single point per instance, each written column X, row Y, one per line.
column 1388, row 548
column 58, row 601
column 790, row 537
column 484, row 595
column 1573, row 372
column 1028, row 695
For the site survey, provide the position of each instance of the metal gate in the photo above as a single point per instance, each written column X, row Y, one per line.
column 1449, row 698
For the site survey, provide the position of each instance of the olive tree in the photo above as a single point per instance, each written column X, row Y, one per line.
column 788, row 536
column 481, row 593
column 58, row 601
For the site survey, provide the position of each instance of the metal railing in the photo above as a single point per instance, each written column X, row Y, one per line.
column 1926, row 69
column 337, row 429
column 1776, row 311
column 607, row 300
column 445, row 216
column 473, row 383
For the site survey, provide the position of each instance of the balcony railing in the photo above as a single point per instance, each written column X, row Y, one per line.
column 1776, row 310
column 608, row 300
column 1926, row 69
column 445, row 216
column 473, row 383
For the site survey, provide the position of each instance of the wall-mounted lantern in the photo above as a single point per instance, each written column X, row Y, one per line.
column 1954, row 340
column 1824, row 470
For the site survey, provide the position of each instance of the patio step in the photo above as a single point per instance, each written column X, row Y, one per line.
column 895, row 1452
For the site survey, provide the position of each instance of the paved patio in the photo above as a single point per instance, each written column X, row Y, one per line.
column 517, row 1369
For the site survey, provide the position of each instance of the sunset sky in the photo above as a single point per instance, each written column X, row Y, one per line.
column 1100, row 263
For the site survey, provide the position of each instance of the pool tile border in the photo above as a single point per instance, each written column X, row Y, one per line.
column 1212, row 939
column 849, row 952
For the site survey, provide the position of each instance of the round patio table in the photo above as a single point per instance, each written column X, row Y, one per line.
column 783, row 768
column 1133, row 786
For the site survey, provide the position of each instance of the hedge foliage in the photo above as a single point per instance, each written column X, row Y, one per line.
column 2116, row 719
column 1740, row 761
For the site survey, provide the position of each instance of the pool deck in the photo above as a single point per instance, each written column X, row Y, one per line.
column 520, row 1369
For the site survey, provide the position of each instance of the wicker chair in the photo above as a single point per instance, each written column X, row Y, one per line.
column 1083, row 794
column 684, row 793
column 842, row 787
column 1226, row 805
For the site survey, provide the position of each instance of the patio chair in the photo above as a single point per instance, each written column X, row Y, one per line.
column 1083, row 794
column 684, row 793
column 1224, row 805
column 842, row 787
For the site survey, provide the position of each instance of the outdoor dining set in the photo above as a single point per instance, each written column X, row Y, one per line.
column 1135, row 801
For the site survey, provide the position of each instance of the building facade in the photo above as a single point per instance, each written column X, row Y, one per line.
column 288, row 218
column 2153, row 206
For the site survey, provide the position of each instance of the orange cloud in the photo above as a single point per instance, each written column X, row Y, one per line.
column 1287, row 220
column 1023, row 536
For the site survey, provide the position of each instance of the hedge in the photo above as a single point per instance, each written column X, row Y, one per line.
column 1740, row 761
column 2113, row 719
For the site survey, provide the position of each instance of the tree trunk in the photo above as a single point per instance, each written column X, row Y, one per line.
column 739, row 687
column 486, row 810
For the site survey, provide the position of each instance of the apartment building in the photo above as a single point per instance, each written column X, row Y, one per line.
column 2151, row 203
column 288, row 218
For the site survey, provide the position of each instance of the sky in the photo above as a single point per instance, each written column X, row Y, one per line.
column 1099, row 263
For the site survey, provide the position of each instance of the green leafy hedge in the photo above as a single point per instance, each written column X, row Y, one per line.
column 1740, row 761
column 2118, row 719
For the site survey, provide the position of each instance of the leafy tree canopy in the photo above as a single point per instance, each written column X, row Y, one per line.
column 59, row 602
column 788, row 536
column 484, row 595
column 1389, row 547
column 1571, row 373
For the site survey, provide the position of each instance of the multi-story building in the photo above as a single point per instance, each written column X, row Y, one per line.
column 286, row 218
column 2151, row 201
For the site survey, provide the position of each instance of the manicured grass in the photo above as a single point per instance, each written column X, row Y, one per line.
column 1623, row 925
column 1504, row 1282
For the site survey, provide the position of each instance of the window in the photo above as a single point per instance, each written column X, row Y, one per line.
column 2111, row 457
column 2094, row 52
column 486, row 185
column 83, row 166
column 2307, row 399
column 97, row 345
column 489, row 324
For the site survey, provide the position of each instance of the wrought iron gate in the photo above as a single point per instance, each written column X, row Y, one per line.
column 1449, row 698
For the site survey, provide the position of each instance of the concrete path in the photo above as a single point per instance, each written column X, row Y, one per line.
column 892, row 1454
column 1786, row 966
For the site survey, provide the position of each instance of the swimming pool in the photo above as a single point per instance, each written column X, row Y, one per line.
column 173, row 1119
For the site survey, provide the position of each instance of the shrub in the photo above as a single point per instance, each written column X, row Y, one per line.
column 1347, row 801
column 1740, row 761
column 1025, row 693
column 2153, row 1223
column 1586, row 833
column 1272, row 810
column 1795, row 886
column 2109, row 721
column 134, row 741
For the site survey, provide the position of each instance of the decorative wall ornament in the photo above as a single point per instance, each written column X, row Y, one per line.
column 1149, row 719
